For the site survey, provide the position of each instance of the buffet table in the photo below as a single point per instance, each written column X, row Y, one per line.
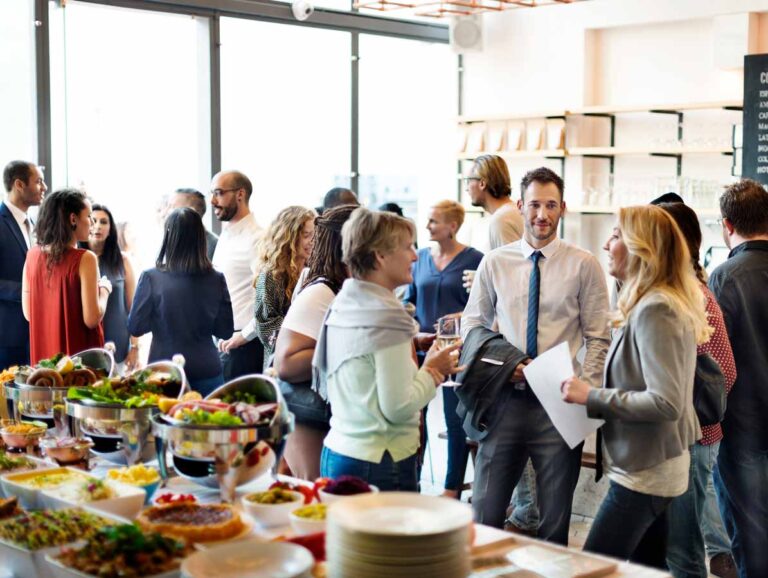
column 486, row 537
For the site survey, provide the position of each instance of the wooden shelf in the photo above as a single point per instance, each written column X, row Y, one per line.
column 679, row 107
column 555, row 153
column 515, row 116
column 587, row 110
column 626, row 151
column 594, row 210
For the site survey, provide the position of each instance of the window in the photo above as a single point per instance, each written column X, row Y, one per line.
column 285, row 93
column 130, row 109
column 18, row 115
column 407, row 107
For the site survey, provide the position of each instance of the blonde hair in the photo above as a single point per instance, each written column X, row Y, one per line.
column 369, row 232
column 278, row 248
column 453, row 211
column 493, row 170
column 658, row 260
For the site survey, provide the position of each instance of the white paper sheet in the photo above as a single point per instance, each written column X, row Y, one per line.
column 544, row 375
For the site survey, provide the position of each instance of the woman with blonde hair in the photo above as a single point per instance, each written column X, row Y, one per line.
column 437, row 290
column 647, row 394
column 283, row 252
column 363, row 360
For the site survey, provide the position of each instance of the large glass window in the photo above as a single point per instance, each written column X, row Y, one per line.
column 407, row 108
column 130, row 109
column 285, row 102
column 17, row 82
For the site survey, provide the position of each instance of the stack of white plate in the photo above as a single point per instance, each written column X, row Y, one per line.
column 395, row 534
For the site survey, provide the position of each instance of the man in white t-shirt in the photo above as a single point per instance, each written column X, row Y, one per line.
column 488, row 186
column 236, row 257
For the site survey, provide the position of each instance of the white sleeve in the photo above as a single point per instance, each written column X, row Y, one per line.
column 402, row 390
column 307, row 312
column 481, row 306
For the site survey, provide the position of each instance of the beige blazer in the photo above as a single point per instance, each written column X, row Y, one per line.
column 647, row 393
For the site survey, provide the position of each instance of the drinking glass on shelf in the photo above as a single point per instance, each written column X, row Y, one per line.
column 448, row 333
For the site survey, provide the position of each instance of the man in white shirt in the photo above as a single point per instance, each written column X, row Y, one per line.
column 542, row 291
column 236, row 257
column 25, row 187
column 488, row 186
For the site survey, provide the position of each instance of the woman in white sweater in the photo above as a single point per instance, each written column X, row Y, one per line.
column 365, row 363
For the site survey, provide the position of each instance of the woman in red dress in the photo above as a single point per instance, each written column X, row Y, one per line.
column 62, row 295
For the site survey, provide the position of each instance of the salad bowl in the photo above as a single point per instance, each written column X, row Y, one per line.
column 225, row 444
column 116, row 415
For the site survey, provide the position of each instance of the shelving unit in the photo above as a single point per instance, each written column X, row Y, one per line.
column 611, row 151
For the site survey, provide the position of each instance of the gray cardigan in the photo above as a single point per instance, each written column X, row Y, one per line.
column 647, row 397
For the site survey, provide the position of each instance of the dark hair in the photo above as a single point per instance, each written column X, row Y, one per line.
column 198, row 199
column 53, row 227
column 688, row 222
column 333, row 197
column 184, row 247
column 16, row 170
column 543, row 176
column 667, row 198
column 392, row 208
column 111, row 260
column 240, row 181
column 326, row 259
column 745, row 205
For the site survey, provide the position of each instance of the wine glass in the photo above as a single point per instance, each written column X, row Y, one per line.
column 448, row 333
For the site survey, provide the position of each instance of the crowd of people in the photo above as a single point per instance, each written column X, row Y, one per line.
column 338, row 306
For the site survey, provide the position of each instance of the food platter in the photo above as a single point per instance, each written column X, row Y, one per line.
column 225, row 456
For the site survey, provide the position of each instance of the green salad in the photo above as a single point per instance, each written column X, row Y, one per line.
column 126, row 392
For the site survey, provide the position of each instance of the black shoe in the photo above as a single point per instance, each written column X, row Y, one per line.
column 722, row 565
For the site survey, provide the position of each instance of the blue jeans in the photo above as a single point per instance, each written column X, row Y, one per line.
column 523, row 430
column 716, row 538
column 458, row 452
column 630, row 526
column 526, row 508
column 206, row 386
column 387, row 475
column 741, row 483
column 686, row 557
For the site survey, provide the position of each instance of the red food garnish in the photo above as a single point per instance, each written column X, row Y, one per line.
column 320, row 484
column 170, row 498
column 315, row 543
column 307, row 492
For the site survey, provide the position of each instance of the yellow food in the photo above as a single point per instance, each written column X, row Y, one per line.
column 166, row 403
column 49, row 479
column 65, row 365
column 273, row 496
column 138, row 475
column 312, row 512
column 22, row 428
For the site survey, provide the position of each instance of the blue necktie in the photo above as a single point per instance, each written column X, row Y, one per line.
column 532, row 331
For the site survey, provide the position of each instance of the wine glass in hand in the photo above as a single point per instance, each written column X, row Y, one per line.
column 448, row 333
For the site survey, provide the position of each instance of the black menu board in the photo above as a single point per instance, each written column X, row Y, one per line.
column 755, row 154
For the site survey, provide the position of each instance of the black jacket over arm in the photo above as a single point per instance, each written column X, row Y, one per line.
column 482, row 381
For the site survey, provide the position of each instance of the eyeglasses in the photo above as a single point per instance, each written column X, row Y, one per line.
column 218, row 193
column 467, row 179
column 719, row 221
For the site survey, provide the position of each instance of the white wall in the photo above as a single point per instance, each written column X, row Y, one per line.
column 614, row 52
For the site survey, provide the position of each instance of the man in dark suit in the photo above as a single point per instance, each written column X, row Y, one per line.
column 25, row 186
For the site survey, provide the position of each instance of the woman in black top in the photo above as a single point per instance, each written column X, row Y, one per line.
column 117, row 268
column 184, row 302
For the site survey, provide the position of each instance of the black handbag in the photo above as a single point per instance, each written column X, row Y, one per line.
column 306, row 404
column 709, row 394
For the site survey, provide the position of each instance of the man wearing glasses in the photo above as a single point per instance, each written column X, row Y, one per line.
column 488, row 186
column 235, row 256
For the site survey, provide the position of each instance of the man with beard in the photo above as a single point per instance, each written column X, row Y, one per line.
column 25, row 187
column 488, row 186
column 235, row 256
column 542, row 291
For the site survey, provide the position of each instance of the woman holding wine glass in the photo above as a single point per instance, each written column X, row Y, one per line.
column 364, row 362
column 438, row 293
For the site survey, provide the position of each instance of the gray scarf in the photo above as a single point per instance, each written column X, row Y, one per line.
column 363, row 318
